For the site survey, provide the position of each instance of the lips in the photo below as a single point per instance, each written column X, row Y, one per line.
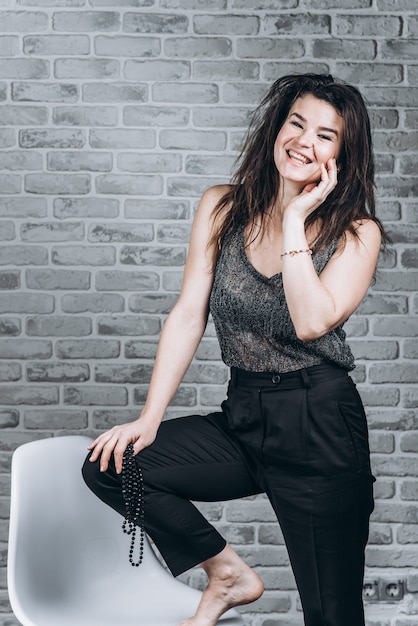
column 298, row 158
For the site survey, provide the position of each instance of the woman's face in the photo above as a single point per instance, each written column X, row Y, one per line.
column 311, row 134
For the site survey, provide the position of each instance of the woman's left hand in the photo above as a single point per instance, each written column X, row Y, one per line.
column 314, row 194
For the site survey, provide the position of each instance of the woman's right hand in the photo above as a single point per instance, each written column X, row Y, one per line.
column 115, row 441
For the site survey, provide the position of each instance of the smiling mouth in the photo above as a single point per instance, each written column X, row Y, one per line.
column 298, row 158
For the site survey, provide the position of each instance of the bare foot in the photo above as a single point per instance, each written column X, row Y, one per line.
column 231, row 583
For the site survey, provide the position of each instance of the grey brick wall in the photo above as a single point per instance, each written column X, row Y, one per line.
column 114, row 117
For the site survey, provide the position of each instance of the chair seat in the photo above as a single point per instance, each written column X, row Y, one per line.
column 68, row 557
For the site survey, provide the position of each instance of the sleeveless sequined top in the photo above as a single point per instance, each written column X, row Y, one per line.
column 252, row 320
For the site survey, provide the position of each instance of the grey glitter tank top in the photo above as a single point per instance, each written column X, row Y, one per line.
column 253, row 323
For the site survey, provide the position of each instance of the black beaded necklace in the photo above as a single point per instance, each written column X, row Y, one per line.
column 133, row 494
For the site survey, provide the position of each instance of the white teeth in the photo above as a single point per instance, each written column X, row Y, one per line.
column 298, row 157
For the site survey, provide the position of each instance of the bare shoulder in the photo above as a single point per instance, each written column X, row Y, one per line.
column 211, row 197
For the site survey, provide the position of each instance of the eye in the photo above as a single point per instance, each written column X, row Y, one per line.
column 326, row 137
column 297, row 124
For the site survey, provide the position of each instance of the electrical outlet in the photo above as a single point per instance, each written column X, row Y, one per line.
column 391, row 591
column 371, row 590
column 383, row 590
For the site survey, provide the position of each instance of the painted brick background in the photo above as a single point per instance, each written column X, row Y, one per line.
column 114, row 117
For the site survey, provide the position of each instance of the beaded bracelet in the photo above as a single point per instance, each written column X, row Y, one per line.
column 293, row 252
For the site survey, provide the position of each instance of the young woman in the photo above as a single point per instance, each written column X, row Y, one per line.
column 281, row 258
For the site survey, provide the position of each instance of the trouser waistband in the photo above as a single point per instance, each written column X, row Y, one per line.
column 305, row 377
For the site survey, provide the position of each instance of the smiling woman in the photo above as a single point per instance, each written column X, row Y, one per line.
column 281, row 257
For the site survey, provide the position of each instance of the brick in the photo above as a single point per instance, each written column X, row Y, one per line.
column 402, row 326
column 127, row 46
column 29, row 394
column 399, row 419
column 297, row 24
column 172, row 281
column 152, row 255
column 9, row 46
column 226, row 24
column 10, row 184
column 370, row 73
column 155, row 23
column 128, row 325
column 21, row 160
column 388, row 466
column 20, row 115
column 411, row 119
column 57, row 279
column 25, row 349
column 51, row 138
column 384, row 118
column 403, row 233
column 9, row 418
column 54, row 45
column 118, row 280
column 27, row 303
column 98, row 395
column 372, row 396
column 142, row 349
column 368, row 25
column 24, row 21
column 395, row 281
column 10, row 372
column 173, row 233
column 374, row 350
column 407, row 533
column 221, row 116
column 399, row 49
column 212, row 374
column 58, row 325
column 57, row 372
column 115, row 139
column 226, row 70
column 274, row 69
column 153, row 303
column 361, row 50
column 7, row 231
column 85, row 116
column 129, row 184
column 157, row 209
column 10, row 326
column 409, row 258
column 382, row 557
column 114, row 92
column 198, row 47
column 375, row 303
column 396, row 373
column 164, row 69
column 260, row 5
column 199, row 164
column 269, row 48
column 7, row 138
column 382, row 443
column 55, row 420
column 85, row 21
column 192, row 140
column 67, row 208
column 409, row 490
column 409, row 442
column 83, row 255
column 395, row 512
column 244, row 93
column 212, row 396
column 86, row 68
column 57, row 183
column 79, row 161
column 50, row 231
column 390, row 96
column 410, row 398
column 23, row 68
column 149, row 163
column 104, row 419
column 44, row 92
column 184, row 396
column 188, row 186
column 87, row 349
column 187, row 92
column 125, row 232
column 384, row 489
column 92, row 303
column 380, row 534
column 155, row 116
column 122, row 373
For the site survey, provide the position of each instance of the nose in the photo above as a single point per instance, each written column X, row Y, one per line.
column 306, row 138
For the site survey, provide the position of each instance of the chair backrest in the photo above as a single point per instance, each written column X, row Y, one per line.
column 68, row 557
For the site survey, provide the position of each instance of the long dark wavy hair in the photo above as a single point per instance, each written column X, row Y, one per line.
column 255, row 183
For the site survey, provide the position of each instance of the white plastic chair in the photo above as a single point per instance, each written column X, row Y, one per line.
column 68, row 557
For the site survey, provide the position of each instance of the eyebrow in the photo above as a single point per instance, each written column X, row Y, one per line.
column 329, row 130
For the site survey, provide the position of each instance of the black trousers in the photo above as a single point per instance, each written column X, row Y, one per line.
column 302, row 439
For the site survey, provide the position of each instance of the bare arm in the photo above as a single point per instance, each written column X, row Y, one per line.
column 317, row 304
column 179, row 340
